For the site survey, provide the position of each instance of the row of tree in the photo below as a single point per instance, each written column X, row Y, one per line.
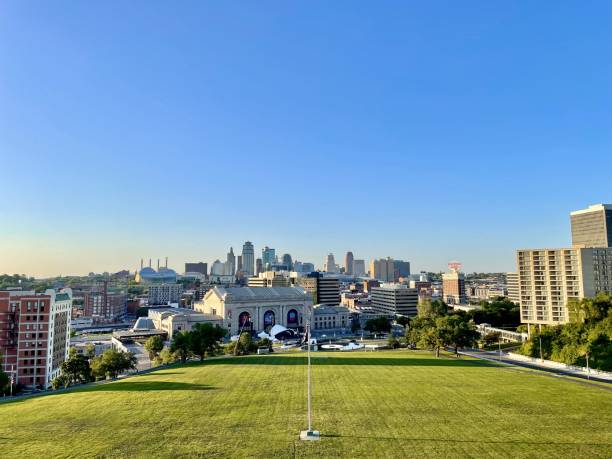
column 83, row 368
column 588, row 335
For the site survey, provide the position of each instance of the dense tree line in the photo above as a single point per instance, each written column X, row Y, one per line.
column 204, row 340
column 500, row 312
column 588, row 335
column 435, row 329
column 83, row 368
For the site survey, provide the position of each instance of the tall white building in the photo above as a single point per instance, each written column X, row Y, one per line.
column 217, row 268
column 230, row 263
column 550, row 278
column 330, row 264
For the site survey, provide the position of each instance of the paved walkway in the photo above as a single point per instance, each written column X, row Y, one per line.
column 493, row 356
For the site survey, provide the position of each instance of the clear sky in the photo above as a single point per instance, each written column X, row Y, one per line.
column 425, row 131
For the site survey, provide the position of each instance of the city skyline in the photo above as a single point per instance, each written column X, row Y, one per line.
column 465, row 131
column 425, row 262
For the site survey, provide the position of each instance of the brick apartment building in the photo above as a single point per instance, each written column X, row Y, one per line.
column 104, row 306
column 34, row 334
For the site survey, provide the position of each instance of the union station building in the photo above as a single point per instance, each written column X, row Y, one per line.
column 257, row 308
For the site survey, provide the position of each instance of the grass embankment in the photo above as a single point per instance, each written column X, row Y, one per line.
column 379, row 404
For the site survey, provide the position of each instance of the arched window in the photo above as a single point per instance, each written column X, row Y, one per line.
column 244, row 321
column 292, row 318
column 269, row 319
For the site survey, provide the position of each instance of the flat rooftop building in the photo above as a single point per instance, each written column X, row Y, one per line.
column 592, row 227
column 395, row 299
column 550, row 278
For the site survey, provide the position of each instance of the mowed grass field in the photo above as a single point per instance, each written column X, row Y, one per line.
column 382, row 404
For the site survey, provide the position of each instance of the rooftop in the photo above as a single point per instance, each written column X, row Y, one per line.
column 261, row 293
column 592, row 208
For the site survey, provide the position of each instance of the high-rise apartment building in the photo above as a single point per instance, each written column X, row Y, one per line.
column 165, row 293
column 512, row 283
column 383, row 269
column 550, row 278
column 200, row 267
column 453, row 287
column 325, row 289
column 268, row 256
column 358, row 268
column 248, row 258
column 348, row 263
column 592, row 227
column 34, row 334
column 104, row 306
column 392, row 299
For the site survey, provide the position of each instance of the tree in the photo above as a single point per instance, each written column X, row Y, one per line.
column 180, row 345
column 457, row 332
column 76, row 369
column 500, row 312
column 378, row 325
column 166, row 357
column 416, row 328
column 90, row 351
column 112, row 363
column 393, row 342
column 60, row 382
column 154, row 345
column 433, row 337
column 355, row 326
column 590, row 310
column 245, row 344
column 204, row 339
column 403, row 320
column 432, row 308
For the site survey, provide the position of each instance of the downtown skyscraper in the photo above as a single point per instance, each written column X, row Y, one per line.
column 248, row 258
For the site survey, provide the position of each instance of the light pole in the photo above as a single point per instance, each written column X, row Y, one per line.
column 541, row 356
column 309, row 434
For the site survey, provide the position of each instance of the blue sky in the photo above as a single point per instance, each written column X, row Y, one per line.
column 426, row 131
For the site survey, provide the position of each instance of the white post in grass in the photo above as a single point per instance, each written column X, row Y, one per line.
column 309, row 434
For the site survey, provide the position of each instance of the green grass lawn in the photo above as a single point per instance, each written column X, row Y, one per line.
column 381, row 404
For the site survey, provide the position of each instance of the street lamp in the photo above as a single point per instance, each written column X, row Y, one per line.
column 309, row 434
column 541, row 356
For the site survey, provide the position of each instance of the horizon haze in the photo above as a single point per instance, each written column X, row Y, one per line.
column 424, row 132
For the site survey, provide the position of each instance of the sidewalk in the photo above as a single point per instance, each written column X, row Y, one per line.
column 549, row 366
